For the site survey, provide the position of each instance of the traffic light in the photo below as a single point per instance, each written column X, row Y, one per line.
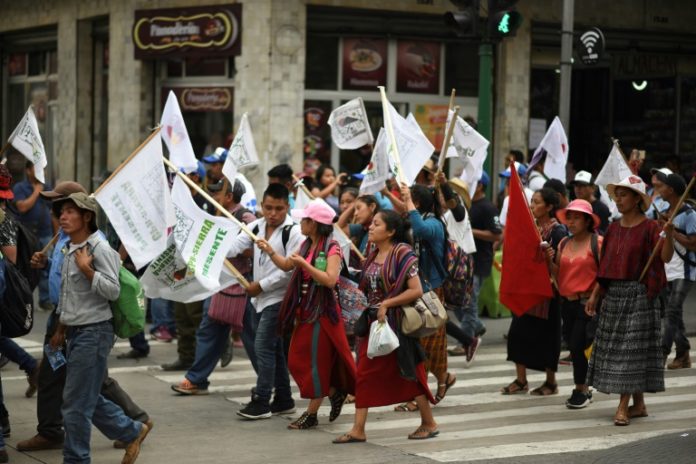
column 503, row 18
column 464, row 22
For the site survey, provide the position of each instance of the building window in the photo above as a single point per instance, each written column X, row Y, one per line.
column 321, row 68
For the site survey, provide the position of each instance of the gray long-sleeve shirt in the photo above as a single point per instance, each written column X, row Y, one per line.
column 84, row 302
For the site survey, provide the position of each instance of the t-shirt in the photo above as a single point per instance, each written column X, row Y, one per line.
column 38, row 218
column 484, row 216
column 683, row 263
column 601, row 210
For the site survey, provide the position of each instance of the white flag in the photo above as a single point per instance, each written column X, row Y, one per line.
column 414, row 147
column 27, row 140
column 471, row 148
column 301, row 199
column 350, row 128
column 169, row 277
column 555, row 145
column 461, row 231
column 175, row 135
column 377, row 171
column 615, row 169
column 202, row 239
column 242, row 152
column 139, row 205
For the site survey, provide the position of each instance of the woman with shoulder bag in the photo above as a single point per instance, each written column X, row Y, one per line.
column 319, row 358
column 534, row 339
column 575, row 269
column 390, row 280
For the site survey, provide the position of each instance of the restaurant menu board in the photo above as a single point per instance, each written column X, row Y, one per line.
column 317, row 133
column 418, row 67
column 432, row 120
column 364, row 63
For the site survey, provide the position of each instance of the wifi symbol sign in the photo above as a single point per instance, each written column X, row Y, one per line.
column 592, row 42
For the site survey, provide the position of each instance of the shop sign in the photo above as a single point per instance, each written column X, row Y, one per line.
column 643, row 65
column 417, row 67
column 590, row 46
column 187, row 32
column 364, row 63
column 432, row 120
column 202, row 99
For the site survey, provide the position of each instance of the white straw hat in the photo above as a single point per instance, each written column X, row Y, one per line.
column 634, row 183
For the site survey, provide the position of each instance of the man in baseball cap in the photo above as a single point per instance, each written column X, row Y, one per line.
column 585, row 190
column 63, row 189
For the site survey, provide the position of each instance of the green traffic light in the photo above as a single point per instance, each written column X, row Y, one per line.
column 504, row 24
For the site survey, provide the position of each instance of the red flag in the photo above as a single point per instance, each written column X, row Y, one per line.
column 525, row 278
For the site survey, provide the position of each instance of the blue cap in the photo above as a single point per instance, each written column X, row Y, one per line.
column 485, row 179
column 218, row 157
column 358, row 175
column 521, row 171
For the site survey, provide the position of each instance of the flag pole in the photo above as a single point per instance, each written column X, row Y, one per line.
column 355, row 249
column 367, row 122
column 618, row 147
column 238, row 275
column 390, row 132
column 49, row 244
column 127, row 160
column 448, row 138
column 451, row 100
column 683, row 198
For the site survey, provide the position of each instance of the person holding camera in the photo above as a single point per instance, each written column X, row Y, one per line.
column 326, row 185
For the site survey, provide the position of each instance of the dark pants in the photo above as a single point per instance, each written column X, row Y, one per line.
column 139, row 343
column 249, row 333
column 49, row 399
column 575, row 332
column 188, row 317
column 453, row 330
column 17, row 354
column 674, row 330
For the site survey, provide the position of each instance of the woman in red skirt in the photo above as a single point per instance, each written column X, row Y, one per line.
column 390, row 280
column 319, row 359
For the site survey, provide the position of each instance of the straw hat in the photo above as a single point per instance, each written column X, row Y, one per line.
column 462, row 189
column 634, row 183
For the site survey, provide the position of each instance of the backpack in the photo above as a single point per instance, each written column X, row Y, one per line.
column 27, row 245
column 285, row 235
column 17, row 315
column 129, row 307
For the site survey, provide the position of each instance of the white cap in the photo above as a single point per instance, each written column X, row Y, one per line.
column 583, row 177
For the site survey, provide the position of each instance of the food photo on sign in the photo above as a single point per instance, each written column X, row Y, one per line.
column 418, row 67
column 364, row 63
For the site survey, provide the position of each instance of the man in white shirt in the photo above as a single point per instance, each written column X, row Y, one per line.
column 268, row 289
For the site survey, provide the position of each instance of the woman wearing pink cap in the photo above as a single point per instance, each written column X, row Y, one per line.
column 575, row 269
column 320, row 359
column 626, row 357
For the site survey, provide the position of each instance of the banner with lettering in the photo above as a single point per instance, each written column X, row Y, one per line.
column 350, row 128
column 26, row 139
column 202, row 239
column 138, row 204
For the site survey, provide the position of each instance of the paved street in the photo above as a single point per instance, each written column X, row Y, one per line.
column 476, row 422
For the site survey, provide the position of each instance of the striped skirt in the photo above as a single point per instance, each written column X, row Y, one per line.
column 626, row 357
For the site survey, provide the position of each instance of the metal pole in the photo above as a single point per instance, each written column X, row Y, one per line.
column 566, row 65
column 485, row 101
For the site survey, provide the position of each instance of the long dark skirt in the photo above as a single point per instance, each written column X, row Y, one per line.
column 626, row 357
column 536, row 342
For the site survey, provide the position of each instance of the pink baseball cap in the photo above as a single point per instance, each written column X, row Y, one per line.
column 581, row 206
column 317, row 210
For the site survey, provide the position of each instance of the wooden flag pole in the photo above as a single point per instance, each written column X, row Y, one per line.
column 448, row 138
column 390, row 132
column 618, row 147
column 238, row 275
column 212, row 201
column 683, row 198
column 355, row 249
column 49, row 244
column 451, row 100
column 127, row 160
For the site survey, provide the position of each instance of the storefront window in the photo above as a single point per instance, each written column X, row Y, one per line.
column 321, row 68
column 206, row 67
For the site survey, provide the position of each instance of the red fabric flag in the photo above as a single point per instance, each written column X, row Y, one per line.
column 524, row 280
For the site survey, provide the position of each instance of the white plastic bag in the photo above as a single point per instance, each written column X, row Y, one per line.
column 382, row 340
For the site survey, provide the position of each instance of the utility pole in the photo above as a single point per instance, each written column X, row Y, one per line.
column 566, row 63
column 484, row 118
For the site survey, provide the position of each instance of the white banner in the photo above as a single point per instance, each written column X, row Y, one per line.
column 471, row 148
column 242, row 152
column 27, row 140
column 350, row 128
column 176, row 137
column 139, row 205
column 615, row 169
column 377, row 171
column 202, row 239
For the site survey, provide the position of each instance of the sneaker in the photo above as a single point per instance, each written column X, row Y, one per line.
column 281, row 407
column 578, row 400
column 162, row 334
column 472, row 349
column 458, row 351
column 185, row 387
column 682, row 361
column 133, row 448
column 256, row 409
column 38, row 443
column 177, row 365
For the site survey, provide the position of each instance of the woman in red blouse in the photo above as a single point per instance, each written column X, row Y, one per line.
column 626, row 357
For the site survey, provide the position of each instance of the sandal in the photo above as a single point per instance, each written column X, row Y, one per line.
column 447, row 385
column 407, row 407
column 621, row 418
column 337, row 400
column 633, row 411
column 305, row 421
column 515, row 387
column 348, row 438
column 546, row 389
column 350, row 399
column 422, row 433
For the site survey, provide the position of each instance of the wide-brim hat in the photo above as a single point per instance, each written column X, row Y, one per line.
column 81, row 199
column 581, row 206
column 462, row 189
column 634, row 183
column 63, row 189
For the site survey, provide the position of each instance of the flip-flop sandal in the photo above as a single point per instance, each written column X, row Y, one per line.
column 348, row 438
column 428, row 434
column 521, row 388
column 447, row 385
column 621, row 419
column 407, row 407
column 633, row 412
column 337, row 400
column 546, row 389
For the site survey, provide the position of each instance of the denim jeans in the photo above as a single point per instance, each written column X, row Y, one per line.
column 83, row 404
column 4, row 413
column 468, row 315
column 249, row 333
column 17, row 354
column 674, row 331
column 211, row 341
column 162, row 312
column 270, row 357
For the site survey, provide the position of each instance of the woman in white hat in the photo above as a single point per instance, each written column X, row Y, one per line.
column 627, row 358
